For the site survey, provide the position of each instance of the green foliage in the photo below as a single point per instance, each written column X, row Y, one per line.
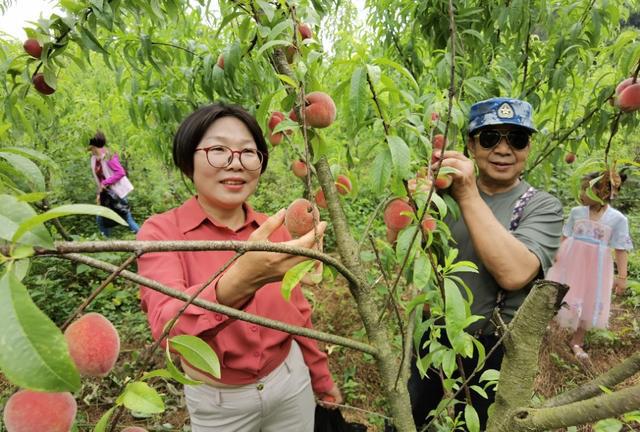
column 135, row 69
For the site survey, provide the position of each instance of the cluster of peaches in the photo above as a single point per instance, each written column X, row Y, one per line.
column 94, row 346
column 397, row 213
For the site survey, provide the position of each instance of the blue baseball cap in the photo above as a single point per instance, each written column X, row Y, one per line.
column 499, row 111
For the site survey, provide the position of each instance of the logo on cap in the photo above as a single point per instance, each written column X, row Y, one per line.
column 505, row 111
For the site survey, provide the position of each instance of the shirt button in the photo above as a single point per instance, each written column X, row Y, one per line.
column 260, row 387
column 256, row 354
column 254, row 328
column 218, row 317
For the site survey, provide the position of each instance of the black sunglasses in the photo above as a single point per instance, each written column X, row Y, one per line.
column 489, row 138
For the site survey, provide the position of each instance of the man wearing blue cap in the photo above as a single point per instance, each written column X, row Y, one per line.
column 508, row 228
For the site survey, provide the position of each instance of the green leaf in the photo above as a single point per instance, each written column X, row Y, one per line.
column 161, row 373
column 139, row 396
column 175, row 373
column 197, row 353
column 358, row 97
column 90, row 40
column 65, row 210
column 273, row 43
column 288, row 80
column 12, row 213
column 421, row 270
column 471, row 418
column 455, row 309
column 490, row 375
column 102, row 424
column 401, row 69
column 33, row 351
column 27, row 168
column 268, row 9
column 381, row 172
column 294, row 276
column 400, row 156
column 480, row 391
column 608, row 425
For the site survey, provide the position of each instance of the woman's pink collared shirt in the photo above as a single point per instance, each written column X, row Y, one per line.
column 247, row 352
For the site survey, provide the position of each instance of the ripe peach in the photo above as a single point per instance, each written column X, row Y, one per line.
column 443, row 181
column 299, row 168
column 393, row 217
column 319, row 111
column 320, row 199
column 93, row 343
column 133, row 429
column 428, row 224
column 300, row 217
column 41, row 85
column 276, row 138
column 275, row 118
column 31, row 411
column 343, row 184
column 623, row 85
column 305, row 31
column 293, row 115
column 438, row 141
column 629, row 99
column 570, row 158
column 33, row 48
column 220, row 62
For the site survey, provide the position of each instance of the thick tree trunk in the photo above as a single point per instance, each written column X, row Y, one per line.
column 522, row 345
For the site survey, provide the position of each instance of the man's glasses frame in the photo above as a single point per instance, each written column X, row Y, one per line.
column 517, row 139
column 228, row 160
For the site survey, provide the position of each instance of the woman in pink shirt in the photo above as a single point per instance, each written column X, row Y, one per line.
column 110, row 178
column 268, row 377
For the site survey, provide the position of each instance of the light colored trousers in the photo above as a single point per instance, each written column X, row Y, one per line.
column 282, row 401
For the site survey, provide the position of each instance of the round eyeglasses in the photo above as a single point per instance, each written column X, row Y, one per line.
column 220, row 156
column 517, row 139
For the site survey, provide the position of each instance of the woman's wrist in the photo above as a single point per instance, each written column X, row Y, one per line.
column 621, row 277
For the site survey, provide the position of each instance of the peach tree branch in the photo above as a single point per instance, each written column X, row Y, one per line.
column 141, row 247
column 609, row 379
column 577, row 413
column 225, row 310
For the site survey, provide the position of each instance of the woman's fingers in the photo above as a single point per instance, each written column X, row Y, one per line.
column 268, row 227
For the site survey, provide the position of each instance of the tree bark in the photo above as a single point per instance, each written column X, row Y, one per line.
column 574, row 414
column 522, row 345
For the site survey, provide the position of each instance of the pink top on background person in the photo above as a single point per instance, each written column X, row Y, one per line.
column 247, row 351
column 115, row 175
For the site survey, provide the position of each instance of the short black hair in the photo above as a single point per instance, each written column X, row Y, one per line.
column 192, row 129
column 98, row 140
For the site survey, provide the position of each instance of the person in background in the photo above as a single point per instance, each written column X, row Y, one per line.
column 508, row 228
column 585, row 261
column 110, row 178
column 268, row 377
